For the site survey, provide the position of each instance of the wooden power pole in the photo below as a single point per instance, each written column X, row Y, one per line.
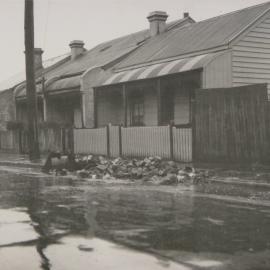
column 30, row 81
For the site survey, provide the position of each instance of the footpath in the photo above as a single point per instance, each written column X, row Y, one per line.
column 17, row 160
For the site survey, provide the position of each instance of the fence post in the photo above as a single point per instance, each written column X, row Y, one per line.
column 108, row 140
column 171, row 141
column 120, row 140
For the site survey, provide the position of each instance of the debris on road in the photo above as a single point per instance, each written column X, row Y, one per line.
column 150, row 169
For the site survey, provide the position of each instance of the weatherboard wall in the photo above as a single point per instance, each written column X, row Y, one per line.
column 218, row 72
column 251, row 56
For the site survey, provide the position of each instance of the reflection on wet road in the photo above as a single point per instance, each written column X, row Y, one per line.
column 71, row 224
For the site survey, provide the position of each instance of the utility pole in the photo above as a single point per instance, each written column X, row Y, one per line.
column 30, row 81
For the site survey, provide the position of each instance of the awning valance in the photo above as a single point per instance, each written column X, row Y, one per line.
column 65, row 83
column 22, row 92
column 161, row 69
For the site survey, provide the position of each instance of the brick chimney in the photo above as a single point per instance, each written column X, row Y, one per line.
column 157, row 21
column 77, row 48
column 186, row 14
column 38, row 58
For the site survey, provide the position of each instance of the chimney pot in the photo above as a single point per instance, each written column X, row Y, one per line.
column 77, row 48
column 157, row 21
column 186, row 14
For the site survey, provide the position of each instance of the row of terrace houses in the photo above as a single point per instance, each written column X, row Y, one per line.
column 149, row 78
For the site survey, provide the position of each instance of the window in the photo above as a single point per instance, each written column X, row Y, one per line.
column 137, row 110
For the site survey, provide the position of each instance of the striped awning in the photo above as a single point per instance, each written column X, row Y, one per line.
column 62, row 84
column 65, row 83
column 161, row 69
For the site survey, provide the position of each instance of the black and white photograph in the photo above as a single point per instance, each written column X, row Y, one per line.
column 135, row 135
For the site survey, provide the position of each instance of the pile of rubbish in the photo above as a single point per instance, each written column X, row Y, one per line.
column 150, row 169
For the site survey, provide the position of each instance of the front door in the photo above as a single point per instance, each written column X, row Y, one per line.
column 167, row 106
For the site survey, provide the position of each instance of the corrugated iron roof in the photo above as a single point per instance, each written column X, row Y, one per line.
column 65, row 83
column 161, row 69
column 195, row 37
column 181, row 38
column 110, row 51
column 102, row 55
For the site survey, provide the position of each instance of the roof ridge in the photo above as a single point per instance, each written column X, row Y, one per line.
column 55, row 57
column 233, row 12
column 171, row 27
column 173, row 23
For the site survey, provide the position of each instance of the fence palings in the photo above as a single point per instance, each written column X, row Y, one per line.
column 135, row 142
column 8, row 140
column 90, row 141
column 182, row 144
column 114, row 141
column 232, row 124
column 146, row 141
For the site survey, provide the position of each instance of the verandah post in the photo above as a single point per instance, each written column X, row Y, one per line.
column 171, row 141
column 158, row 102
column 63, row 138
column 124, row 95
column 95, row 93
column 20, row 140
column 71, row 140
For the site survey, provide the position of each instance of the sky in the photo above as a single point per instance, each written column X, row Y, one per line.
column 57, row 22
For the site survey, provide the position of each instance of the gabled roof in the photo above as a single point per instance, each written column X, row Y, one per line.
column 109, row 51
column 103, row 55
column 195, row 37
column 183, row 38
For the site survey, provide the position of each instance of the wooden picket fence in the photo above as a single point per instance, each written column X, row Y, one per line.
column 146, row 141
column 90, row 141
column 50, row 139
column 182, row 144
column 165, row 141
column 9, row 141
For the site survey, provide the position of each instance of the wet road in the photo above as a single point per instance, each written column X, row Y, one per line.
column 65, row 224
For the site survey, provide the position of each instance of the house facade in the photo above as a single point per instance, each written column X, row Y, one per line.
column 124, row 81
column 155, row 85
column 149, row 78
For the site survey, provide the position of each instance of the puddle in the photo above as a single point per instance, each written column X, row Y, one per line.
column 215, row 221
column 56, row 223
